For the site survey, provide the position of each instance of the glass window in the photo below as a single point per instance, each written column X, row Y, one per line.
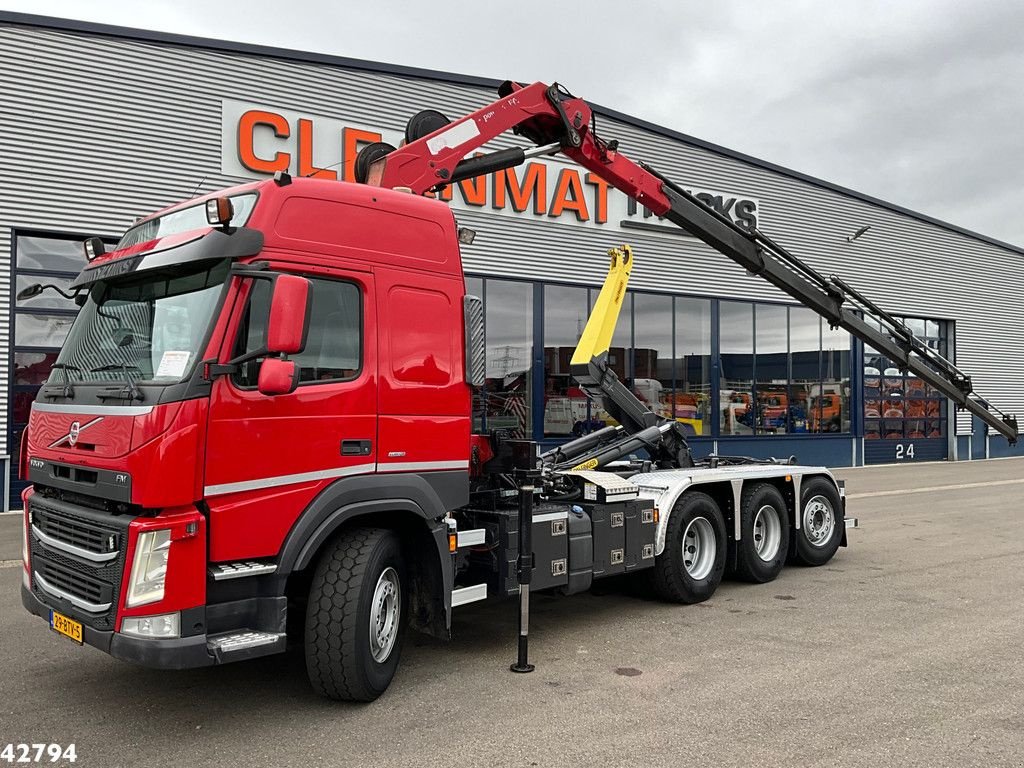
column 916, row 325
column 50, row 254
column 185, row 220
column 48, row 299
column 566, row 408
column 898, row 405
column 771, row 367
column 831, row 409
column 874, row 364
column 799, row 368
column 653, row 361
column 508, row 309
column 152, row 324
column 807, row 403
column 736, row 342
column 692, row 358
column 38, row 330
column 32, row 368
column 333, row 344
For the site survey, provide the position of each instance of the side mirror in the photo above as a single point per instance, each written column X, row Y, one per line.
column 27, row 293
column 277, row 377
column 289, row 316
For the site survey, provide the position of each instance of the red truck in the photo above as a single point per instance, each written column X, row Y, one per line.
column 259, row 427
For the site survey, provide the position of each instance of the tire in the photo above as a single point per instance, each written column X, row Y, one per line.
column 764, row 534
column 693, row 575
column 821, row 522
column 346, row 658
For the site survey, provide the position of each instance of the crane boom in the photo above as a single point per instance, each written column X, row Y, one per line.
column 555, row 121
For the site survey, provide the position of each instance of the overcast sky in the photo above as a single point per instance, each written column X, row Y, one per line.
column 918, row 103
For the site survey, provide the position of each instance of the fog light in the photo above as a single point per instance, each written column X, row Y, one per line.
column 164, row 625
column 149, row 568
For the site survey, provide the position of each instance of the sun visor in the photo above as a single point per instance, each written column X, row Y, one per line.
column 172, row 250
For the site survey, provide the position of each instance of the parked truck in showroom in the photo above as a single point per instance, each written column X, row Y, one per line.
column 261, row 421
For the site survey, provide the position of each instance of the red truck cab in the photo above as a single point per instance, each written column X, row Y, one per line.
column 211, row 421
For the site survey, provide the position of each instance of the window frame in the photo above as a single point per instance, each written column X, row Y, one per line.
column 232, row 378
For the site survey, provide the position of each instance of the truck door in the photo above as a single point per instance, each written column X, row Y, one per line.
column 268, row 456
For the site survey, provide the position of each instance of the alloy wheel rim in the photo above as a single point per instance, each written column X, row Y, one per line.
column 385, row 606
column 699, row 548
column 819, row 521
column 767, row 533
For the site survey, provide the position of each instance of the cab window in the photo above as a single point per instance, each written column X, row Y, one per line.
column 333, row 345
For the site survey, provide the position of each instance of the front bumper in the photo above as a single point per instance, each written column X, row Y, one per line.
column 172, row 653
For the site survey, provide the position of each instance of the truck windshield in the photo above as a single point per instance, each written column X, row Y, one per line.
column 185, row 220
column 152, row 326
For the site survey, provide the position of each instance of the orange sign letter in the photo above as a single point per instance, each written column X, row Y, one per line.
column 306, row 167
column 247, row 127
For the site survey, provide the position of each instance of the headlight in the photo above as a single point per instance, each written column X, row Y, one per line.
column 164, row 625
column 149, row 568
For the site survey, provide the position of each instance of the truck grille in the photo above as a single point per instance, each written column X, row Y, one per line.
column 71, row 581
column 68, row 529
column 80, row 557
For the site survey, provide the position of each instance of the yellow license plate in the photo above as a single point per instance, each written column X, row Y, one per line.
column 67, row 627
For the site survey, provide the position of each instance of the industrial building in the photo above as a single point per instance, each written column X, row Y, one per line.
column 105, row 124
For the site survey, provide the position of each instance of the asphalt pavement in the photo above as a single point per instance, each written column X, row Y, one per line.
column 905, row 650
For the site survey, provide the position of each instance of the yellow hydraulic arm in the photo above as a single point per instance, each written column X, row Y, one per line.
column 597, row 336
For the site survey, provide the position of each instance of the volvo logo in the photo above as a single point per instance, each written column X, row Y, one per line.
column 74, row 431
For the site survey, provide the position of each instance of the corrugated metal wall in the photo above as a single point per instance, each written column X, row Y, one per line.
column 98, row 130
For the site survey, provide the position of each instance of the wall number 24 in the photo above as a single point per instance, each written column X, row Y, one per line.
column 904, row 451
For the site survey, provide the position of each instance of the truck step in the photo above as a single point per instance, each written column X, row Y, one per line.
column 465, row 595
column 472, row 538
column 240, row 569
column 852, row 522
column 245, row 644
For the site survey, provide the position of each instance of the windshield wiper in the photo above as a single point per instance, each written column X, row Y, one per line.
column 68, row 390
column 132, row 392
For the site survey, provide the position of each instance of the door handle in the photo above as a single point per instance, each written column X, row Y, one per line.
column 356, row 447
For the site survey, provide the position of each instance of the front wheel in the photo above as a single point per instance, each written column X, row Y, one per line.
column 355, row 616
column 690, row 568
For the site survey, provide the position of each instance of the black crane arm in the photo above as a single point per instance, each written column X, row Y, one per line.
column 832, row 298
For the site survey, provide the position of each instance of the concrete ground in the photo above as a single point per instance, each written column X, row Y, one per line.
column 905, row 650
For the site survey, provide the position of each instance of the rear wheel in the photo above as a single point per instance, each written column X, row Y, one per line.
column 764, row 533
column 821, row 524
column 355, row 616
column 690, row 568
